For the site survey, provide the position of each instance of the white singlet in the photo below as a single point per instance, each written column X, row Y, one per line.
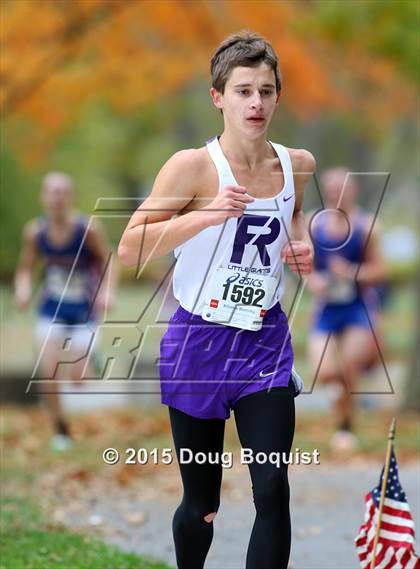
column 249, row 246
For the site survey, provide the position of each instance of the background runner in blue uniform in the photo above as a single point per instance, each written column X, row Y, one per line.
column 344, row 307
column 73, row 253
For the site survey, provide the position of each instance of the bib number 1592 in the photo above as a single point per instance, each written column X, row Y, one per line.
column 244, row 294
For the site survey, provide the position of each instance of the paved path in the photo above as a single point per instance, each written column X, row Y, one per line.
column 327, row 510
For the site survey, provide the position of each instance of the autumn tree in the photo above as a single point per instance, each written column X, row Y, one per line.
column 58, row 54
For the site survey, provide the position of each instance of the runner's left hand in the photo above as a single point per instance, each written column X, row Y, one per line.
column 299, row 255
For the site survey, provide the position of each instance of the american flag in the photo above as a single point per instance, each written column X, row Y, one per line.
column 395, row 548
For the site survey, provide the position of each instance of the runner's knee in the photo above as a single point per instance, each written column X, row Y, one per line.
column 195, row 512
column 272, row 491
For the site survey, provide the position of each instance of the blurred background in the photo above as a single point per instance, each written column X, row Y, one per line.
column 106, row 91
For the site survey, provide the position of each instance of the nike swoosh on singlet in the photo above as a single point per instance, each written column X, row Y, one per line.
column 288, row 198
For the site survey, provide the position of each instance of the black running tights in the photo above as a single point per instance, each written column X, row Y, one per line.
column 265, row 422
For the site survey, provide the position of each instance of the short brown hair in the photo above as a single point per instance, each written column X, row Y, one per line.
column 53, row 177
column 243, row 49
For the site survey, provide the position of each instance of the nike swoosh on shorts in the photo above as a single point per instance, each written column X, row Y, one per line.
column 266, row 374
column 297, row 380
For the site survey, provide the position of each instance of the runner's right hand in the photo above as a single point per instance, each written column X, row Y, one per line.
column 230, row 202
column 22, row 296
column 22, row 299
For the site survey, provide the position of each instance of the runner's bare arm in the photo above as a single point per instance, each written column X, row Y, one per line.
column 303, row 168
column 154, row 231
column 372, row 271
column 317, row 282
column 147, row 230
column 97, row 242
column 299, row 253
column 26, row 265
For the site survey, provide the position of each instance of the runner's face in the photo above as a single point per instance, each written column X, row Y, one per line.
column 249, row 100
column 57, row 198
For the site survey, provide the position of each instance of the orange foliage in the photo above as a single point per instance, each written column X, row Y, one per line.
column 57, row 55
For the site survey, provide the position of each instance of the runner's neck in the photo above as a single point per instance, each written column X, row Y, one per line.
column 61, row 221
column 247, row 153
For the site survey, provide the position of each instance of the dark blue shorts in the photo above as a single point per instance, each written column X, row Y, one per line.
column 336, row 318
column 70, row 313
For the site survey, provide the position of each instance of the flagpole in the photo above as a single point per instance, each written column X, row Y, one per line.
column 391, row 437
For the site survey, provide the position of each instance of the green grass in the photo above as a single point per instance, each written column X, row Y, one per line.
column 28, row 542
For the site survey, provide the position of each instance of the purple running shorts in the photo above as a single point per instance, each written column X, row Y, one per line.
column 205, row 368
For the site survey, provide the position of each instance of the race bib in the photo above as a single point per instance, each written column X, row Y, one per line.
column 237, row 300
column 58, row 281
column 341, row 291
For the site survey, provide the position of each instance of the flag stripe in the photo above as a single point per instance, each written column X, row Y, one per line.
column 381, row 553
column 403, row 556
column 413, row 563
column 370, row 536
column 396, row 528
column 396, row 512
column 367, row 556
column 396, row 504
column 394, row 537
column 387, row 557
column 401, row 521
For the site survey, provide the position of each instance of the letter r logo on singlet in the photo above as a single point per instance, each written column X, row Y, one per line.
column 245, row 237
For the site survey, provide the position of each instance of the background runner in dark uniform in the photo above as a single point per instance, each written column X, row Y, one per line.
column 74, row 254
column 344, row 307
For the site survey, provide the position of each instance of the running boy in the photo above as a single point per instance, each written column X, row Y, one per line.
column 344, row 245
column 238, row 203
column 73, row 265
